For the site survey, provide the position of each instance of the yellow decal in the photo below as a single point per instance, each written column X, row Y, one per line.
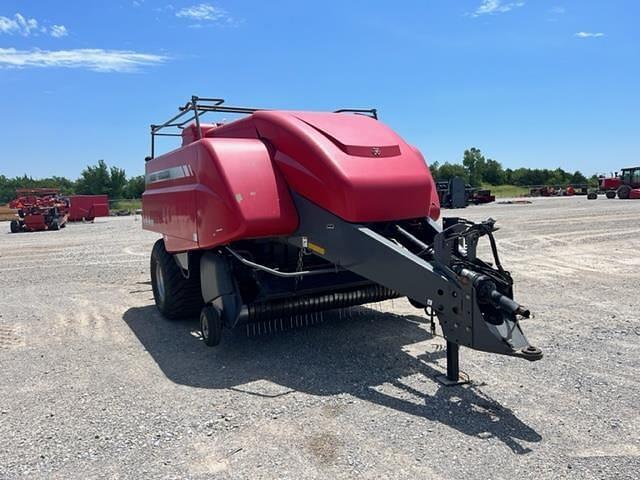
column 316, row 248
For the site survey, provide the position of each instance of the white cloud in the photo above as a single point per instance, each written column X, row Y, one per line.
column 94, row 59
column 558, row 10
column 491, row 7
column 589, row 34
column 29, row 26
column 18, row 24
column 205, row 12
column 58, row 31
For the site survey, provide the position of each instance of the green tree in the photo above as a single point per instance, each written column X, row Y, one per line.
column 448, row 170
column 8, row 186
column 508, row 176
column 94, row 180
column 493, row 173
column 578, row 178
column 66, row 186
column 474, row 162
column 117, row 182
column 433, row 167
column 134, row 187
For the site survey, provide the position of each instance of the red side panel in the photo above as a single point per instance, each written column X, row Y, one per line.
column 611, row 183
column 88, row 207
column 215, row 191
column 352, row 165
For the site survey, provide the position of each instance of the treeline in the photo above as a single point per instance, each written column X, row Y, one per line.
column 476, row 170
column 94, row 180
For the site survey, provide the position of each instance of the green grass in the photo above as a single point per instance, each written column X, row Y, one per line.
column 501, row 191
column 132, row 205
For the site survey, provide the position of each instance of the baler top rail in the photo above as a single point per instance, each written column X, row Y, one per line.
column 194, row 109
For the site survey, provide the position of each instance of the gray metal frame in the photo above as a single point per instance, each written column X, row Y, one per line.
column 453, row 297
column 198, row 106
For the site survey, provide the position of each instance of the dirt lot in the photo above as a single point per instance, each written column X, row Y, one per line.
column 94, row 384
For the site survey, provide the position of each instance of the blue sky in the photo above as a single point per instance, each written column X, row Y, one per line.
column 531, row 83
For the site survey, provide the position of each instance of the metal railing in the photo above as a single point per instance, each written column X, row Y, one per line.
column 199, row 106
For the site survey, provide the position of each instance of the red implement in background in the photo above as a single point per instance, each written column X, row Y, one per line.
column 39, row 209
column 88, row 207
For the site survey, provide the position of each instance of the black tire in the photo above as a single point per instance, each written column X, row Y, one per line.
column 15, row 226
column 211, row 325
column 592, row 196
column 54, row 225
column 610, row 194
column 624, row 191
column 175, row 296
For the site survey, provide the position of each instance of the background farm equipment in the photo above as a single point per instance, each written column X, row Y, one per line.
column 39, row 209
column 625, row 185
column 88, row 207
column 481, row 195
column 558, row 190
column 276, row 217
column 455, row 193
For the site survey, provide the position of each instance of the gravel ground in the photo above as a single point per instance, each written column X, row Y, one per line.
column 95, row 384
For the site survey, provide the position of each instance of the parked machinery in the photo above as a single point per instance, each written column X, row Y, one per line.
column 559, row 190
column 39, row 209
column 480, row 196
column 271, row 219
column 88, row 207
column 622, row 185
column 455, row 193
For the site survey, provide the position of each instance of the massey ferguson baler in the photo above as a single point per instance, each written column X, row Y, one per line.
column 275, row 217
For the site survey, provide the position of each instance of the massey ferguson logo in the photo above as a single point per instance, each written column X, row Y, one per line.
column 375, row 151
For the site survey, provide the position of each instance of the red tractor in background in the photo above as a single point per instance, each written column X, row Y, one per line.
column 626, row 185
column 39, row 209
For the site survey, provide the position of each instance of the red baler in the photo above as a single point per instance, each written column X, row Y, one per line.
column 273, row 218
